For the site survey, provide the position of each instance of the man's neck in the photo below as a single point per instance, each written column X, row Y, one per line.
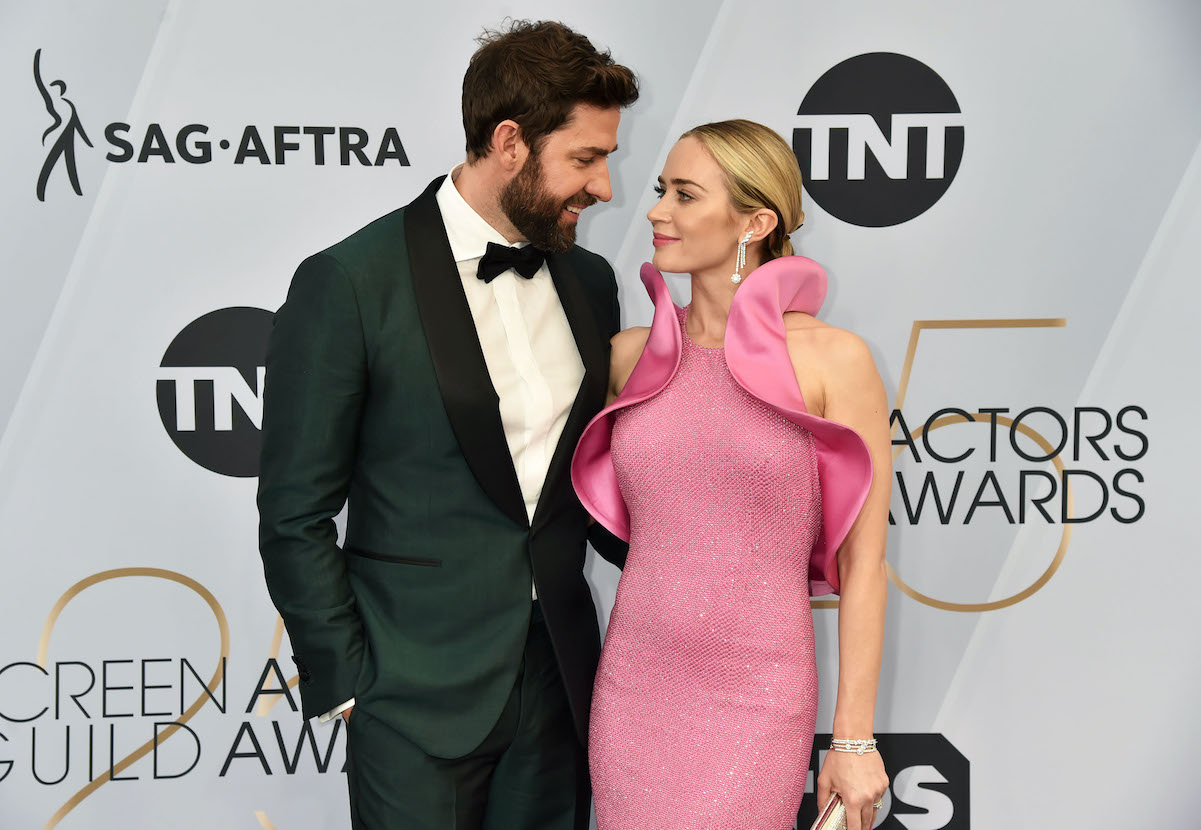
column 477, row 185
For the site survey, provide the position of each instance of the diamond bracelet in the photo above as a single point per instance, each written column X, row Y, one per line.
column 857, row 746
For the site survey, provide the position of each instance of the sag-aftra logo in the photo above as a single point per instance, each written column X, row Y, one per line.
column 65, row 138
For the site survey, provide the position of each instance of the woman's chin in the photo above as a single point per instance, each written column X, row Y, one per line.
column 665, row 262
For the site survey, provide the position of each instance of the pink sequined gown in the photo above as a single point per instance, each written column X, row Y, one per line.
column 706, row 697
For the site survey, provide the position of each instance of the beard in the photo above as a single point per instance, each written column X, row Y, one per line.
column 536, row 213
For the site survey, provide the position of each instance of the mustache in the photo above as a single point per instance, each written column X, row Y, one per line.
column 581, row 200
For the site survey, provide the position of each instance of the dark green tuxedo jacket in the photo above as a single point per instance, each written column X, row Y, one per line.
column 377, row 395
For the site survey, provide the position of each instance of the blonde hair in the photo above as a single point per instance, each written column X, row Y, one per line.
column 761, row 172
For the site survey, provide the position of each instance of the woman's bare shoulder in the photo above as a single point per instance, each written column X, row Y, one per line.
column 819, row 339
column 632, row 339
column 626, row 348
column 830, row 361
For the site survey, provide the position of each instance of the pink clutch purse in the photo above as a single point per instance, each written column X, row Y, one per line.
column 833, row 816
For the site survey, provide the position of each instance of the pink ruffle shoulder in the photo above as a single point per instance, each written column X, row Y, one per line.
column 757, row 355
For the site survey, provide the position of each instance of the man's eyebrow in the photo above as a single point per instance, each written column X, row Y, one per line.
column 599, row 151
column 684, row 183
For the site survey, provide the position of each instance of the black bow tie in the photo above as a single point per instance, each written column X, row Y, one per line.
column 500, row 258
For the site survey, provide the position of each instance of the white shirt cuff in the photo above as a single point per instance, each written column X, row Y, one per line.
column 333, row 713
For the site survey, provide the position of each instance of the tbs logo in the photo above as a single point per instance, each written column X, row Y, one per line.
column 929, row 788
column 210, row 389
column 879, row 139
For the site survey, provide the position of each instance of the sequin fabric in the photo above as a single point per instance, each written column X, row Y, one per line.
column 706, row 697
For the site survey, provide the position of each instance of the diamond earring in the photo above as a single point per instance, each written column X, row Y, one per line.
column 740, row 263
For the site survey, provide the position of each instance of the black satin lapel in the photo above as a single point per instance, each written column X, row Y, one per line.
column 471, row 402
column 594, row 353
column 593, row 348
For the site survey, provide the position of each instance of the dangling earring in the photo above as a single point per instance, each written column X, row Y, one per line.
column 740, row 263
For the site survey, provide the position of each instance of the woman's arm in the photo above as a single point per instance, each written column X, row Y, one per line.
column 854, row 396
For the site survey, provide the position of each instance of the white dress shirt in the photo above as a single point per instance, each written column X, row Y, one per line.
column 528, row 347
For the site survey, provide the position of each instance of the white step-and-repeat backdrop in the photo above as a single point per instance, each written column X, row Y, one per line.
column 1007, row 197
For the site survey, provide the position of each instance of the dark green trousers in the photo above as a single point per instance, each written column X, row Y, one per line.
column 530, row 773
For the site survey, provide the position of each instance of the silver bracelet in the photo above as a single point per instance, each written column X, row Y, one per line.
column 857, row 746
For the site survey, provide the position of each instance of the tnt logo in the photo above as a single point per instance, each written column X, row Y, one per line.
column 929, row 787
column 210, row 389
column 879, row 139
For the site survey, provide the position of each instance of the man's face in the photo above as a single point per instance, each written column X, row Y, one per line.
column 568, row 173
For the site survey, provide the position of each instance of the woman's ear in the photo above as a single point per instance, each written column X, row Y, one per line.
column 762, row 223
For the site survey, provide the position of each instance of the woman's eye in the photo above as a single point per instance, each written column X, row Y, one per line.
column 659, row 191
column 685, row 196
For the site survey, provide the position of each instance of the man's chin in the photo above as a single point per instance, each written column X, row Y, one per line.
column 555, row 235
column 567, row 233
column 562, row 241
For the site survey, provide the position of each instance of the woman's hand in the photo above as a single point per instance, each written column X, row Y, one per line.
column 859, row 780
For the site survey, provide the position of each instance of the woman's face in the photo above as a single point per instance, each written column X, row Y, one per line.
column 695, row 225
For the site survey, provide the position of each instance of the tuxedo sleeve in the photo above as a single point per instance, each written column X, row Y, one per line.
column 316, row 382
column 615, row 307
column 610, row 547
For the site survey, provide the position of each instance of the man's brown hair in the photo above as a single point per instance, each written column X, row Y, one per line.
column 534, row 73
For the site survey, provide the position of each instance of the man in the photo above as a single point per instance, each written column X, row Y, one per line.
column 436, row 380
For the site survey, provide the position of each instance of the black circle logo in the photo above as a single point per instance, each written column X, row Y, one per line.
column 879, row 139
column 210, row 389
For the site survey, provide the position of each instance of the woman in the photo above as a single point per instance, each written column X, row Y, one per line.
column 736, row 455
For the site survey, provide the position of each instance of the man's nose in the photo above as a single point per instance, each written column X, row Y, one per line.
column 600, row 186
